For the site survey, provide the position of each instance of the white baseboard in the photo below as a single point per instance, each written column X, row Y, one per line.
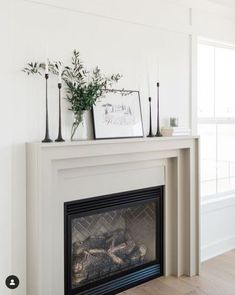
column 223, row 239
column 217, row 248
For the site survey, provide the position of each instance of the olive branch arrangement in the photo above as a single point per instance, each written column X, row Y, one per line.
column 82, row 87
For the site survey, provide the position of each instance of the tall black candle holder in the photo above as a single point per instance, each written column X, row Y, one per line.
column 150, row 118
column 158, row 134
column 47, row 137
column 59, row 138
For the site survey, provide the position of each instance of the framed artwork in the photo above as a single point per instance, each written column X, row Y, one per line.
column 118, row 115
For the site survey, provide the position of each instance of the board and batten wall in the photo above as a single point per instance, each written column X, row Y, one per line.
column 126, row 36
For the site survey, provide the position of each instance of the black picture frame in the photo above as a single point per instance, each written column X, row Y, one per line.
column 123, row 92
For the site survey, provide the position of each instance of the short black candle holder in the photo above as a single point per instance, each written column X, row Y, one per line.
column 59, row 138
column 47, row 137
column 150, row 119
column 158, row 134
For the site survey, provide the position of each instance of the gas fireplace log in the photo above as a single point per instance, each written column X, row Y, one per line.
column 103, row 254
column 115, row 258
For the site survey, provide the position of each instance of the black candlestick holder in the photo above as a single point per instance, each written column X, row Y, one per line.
column 47, row 137
column 158, row 134
column 59, row 138
column 150, row 119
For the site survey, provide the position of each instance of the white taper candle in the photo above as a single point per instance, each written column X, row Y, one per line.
column 46, row 67
column 59, row 77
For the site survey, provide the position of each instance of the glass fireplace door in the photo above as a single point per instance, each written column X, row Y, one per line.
column 112, row 238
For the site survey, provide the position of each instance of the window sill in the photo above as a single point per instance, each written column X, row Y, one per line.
column 213, row 203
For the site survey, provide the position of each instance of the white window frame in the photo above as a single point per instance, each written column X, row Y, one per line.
column 216, row 121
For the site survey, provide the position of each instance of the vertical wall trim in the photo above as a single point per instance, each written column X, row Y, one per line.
column 193, row 40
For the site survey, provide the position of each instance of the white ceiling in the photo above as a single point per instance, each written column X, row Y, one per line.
column 228, row 3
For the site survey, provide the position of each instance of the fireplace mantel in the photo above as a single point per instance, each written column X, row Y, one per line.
column 61, row 172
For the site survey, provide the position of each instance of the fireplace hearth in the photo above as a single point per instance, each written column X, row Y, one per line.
column 113, row 242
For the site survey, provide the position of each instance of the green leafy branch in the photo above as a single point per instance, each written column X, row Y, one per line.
column 33, row 68
column 84, row 88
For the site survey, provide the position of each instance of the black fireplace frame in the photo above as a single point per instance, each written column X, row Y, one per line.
column 126, row 279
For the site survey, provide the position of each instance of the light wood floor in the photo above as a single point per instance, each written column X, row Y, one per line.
column 217, row 278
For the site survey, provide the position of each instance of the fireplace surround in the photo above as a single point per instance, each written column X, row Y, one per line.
column 113, row 242
column 60, row 173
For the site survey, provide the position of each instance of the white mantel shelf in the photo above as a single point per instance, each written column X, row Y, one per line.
column 114, row 141
column 114, row 146
column 67, row 171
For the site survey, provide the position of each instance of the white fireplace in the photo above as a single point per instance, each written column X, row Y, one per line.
column 64, row 172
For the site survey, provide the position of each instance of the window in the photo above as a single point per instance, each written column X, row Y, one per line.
column 216, row 118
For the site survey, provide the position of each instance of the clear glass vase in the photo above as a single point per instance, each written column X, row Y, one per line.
column 82, row 128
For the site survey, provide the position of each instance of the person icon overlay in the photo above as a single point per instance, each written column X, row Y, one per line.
column 12, row 282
